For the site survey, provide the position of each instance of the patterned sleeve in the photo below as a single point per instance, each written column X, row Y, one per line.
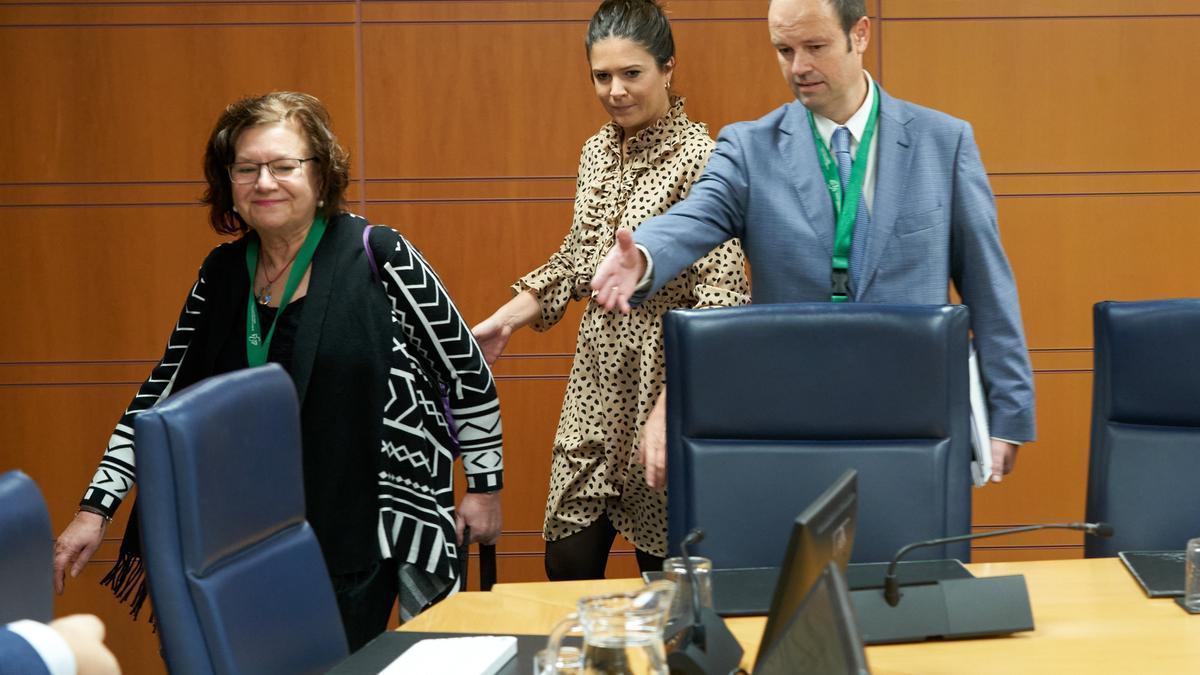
column 719, row 278
column 554, row 283
column 442, row 341
column 114, row 477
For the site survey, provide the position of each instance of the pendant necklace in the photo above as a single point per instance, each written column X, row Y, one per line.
column 264, row 294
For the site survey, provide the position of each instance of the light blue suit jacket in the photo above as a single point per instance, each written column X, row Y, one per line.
column 933, row 220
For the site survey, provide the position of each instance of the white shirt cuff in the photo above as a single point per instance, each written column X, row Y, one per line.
column 1016, row 443
column 643, row 284
column 49, row 645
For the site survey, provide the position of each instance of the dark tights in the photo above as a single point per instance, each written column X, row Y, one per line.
column 584, row 555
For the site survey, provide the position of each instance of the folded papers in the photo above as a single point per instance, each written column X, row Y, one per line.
column 467, row 655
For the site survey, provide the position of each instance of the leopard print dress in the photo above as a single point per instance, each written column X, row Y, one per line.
column 618, row 373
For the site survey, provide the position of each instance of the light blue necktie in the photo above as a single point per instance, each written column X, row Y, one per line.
column 862, row 222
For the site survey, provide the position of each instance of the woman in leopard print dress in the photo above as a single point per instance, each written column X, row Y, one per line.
column 635, row 167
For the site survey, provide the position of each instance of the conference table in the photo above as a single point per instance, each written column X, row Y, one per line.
column 1090, row 616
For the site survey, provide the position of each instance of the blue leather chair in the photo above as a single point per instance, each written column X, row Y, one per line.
column 236, row 575
column 1145, row 449
column 26, row 551
column 769, row 404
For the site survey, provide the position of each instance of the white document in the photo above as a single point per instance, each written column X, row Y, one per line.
column 468, row 655
column 981, row 466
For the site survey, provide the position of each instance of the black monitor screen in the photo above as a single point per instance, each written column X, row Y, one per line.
column 822, row 637
column 822, row 533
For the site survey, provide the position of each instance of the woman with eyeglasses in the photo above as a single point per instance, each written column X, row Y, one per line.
column 314, row 288
column 635, row 167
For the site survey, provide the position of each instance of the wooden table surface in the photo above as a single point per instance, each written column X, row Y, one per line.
column 1090, row 617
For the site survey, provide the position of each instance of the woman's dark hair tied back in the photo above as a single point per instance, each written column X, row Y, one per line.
column 642, row 21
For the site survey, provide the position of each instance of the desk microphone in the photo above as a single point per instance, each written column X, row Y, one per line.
column 891, row 586
column 694, row 537
column 707, row 646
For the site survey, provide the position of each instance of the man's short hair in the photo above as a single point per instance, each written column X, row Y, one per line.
column 849, row 12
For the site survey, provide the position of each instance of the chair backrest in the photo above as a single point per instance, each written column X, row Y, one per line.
column 1145, row 448
column 236, row 576
column 769, row 404
column 26, row 551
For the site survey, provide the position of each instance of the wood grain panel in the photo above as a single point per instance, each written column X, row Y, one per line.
column 1039, row 106
column 57, row 436
column 169, row 13
column 492, row 117
column 1069, row 253
column 479, row 249
column 1061, row 360
column 923, row 9
column 482, row 189
column 1049, row 484
column 984, row 554
column 433, row 11
column 112, row 194
column 530, row 410
column 482, row 110
column 116, row 289
column 1095, row 184
column 144, row 110
column 133, row 643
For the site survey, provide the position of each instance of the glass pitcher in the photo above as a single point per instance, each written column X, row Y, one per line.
column 622, row 632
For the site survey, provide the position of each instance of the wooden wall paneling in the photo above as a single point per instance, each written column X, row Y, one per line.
column 137, row 103
column 155, row 13
column 478, row 249
column 134, row 643
column 984, row 554
column 1070, row 252
column 530, row 413
column 57, row 433
column 1049, row 484
column 1025, row 9
column 728, row 71
column 97, row 283
column 462, row 100
column 1056, row 95
column 574, row 11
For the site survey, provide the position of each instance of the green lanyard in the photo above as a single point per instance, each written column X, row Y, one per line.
column 256, row 347
column 844, row 207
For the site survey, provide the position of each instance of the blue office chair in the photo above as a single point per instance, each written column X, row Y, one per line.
column 769, row 404
column 26, row 551
column 236, row 575
column 1145, row 449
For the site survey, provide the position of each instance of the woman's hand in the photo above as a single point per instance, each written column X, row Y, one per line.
column 652, row 449
column 492, row 335
column 76, row 545
column 493, row 332
column 481, row 512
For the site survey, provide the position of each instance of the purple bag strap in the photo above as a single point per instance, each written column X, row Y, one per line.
column 370, row 253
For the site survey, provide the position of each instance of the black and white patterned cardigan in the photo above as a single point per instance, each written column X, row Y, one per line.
column 371, row 368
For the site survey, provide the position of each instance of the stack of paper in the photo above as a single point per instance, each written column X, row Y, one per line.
column 981, row 466
column 468, row 655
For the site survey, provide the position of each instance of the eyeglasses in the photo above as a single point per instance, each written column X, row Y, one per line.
column 285, row 168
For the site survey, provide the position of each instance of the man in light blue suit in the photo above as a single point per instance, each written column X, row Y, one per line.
column 926, row 214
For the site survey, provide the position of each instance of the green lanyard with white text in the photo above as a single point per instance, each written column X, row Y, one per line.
column 256, row 346
column 845, row 207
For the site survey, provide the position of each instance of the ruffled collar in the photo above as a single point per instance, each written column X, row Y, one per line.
column 649, row 143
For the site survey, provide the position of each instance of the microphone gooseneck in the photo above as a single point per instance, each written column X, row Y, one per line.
column 891, row 585
column 694, row 537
